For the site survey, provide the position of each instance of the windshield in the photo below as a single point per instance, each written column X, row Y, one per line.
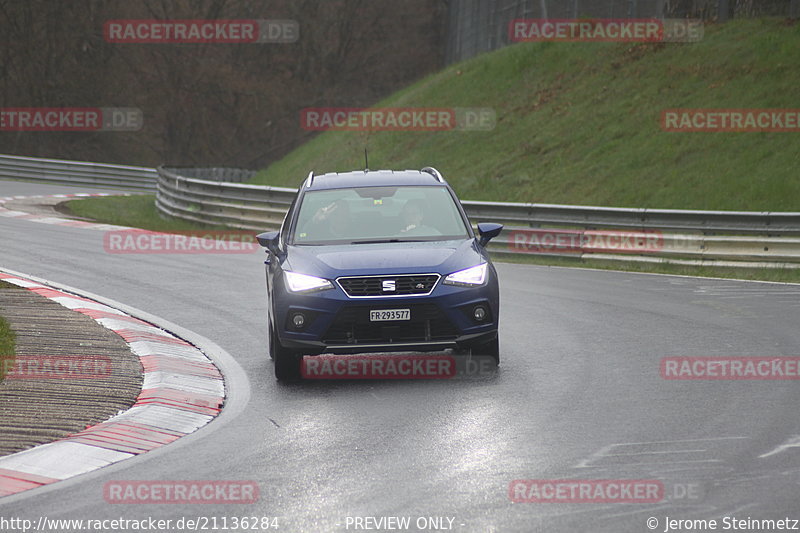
column 378, row 214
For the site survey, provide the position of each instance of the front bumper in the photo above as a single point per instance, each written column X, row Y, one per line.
column 335, row 323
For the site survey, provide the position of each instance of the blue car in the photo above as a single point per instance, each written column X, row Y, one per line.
column 379, row 261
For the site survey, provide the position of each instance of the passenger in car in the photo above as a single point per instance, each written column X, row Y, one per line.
column 334, row 221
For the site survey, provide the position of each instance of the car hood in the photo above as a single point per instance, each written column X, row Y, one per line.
column 384, row 258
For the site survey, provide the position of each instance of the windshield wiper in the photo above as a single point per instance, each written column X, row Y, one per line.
column 382, row 241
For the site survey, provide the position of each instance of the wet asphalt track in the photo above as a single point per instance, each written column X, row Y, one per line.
column 578, row 395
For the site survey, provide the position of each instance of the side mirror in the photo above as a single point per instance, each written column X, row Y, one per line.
column 269, row 240
column 488, row 231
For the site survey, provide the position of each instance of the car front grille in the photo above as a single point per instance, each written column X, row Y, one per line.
column 353, row 326
column 404, row 285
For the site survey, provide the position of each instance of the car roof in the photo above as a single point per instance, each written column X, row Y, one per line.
column 373, row 178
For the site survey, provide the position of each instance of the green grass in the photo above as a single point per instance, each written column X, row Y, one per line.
column 137, row 211
column 579, row 123
column 6, row 339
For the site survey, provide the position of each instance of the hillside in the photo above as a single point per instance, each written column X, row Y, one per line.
column 580, row 123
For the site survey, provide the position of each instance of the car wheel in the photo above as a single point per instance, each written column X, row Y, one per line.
column 491, row 348
column 287, row 366
column 272, row 340
column 287, row 362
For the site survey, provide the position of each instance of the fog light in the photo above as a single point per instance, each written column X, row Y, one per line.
column 479, row 313
column 298, row 320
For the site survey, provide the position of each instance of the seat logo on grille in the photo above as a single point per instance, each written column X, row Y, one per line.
column 388, row 285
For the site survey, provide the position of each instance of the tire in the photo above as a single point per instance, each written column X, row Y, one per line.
column 490, row 348
column 287, row 366
column 272, row 339
column 287, row 362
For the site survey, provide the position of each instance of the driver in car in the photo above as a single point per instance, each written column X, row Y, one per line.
column 412, row 216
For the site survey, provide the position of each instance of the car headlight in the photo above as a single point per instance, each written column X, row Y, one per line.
column 304, row 283
column 469, row 277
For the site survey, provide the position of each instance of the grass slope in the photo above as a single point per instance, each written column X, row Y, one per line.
column 579, row 123
column 7, row 339
column 137, row 211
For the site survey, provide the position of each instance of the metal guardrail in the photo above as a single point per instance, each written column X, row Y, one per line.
column 649, row 245
column 764, row 237
column 78, row 172
column 731, row 222
column 237, row 205
column 214, row 196
column 227, row 174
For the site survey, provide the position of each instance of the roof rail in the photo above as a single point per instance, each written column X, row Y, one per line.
column 433, row 172
column 310, row 179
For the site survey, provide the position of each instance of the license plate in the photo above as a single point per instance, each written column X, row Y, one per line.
column 382, row 315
